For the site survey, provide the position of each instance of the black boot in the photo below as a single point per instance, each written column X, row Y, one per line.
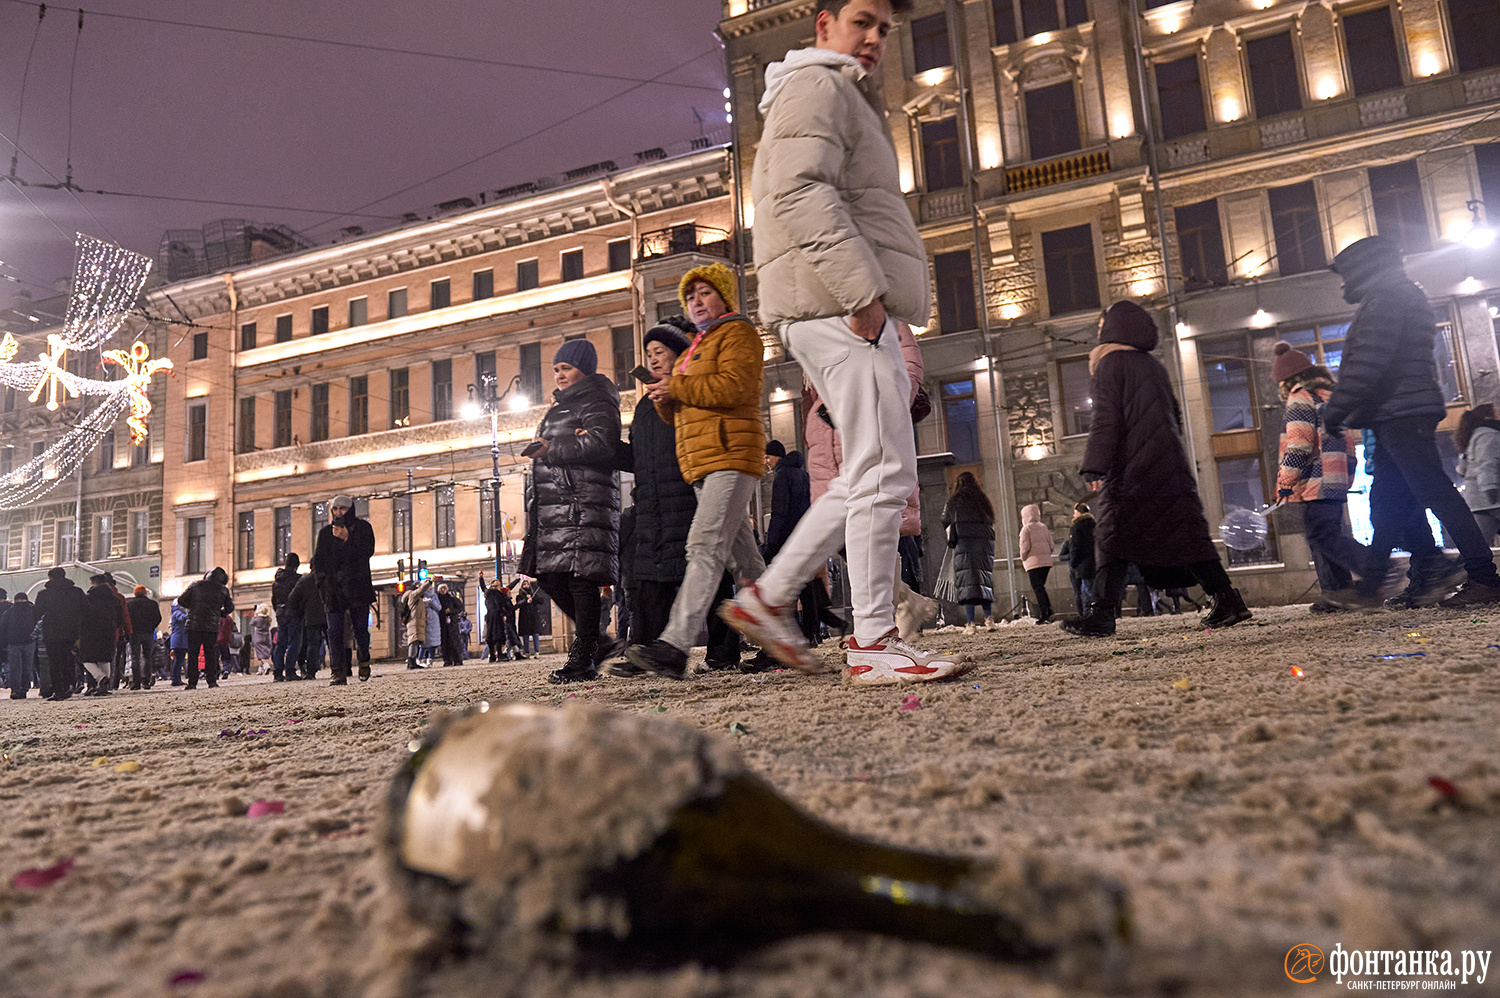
column 579, row 667
column 1099, row 622
column 1225, row 609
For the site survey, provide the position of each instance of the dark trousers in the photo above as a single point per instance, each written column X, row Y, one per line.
column 179, row 659
column 1109, row 583
column 1038, row 579
column 305, row 649
column 288, row 645
column 1337, row 557
column 651, row 607
column 63, row 666
column 338, row 654
column 141, row 649
column 1408, row 478
column 579, row 601
column 206, row 644
column 20, row 663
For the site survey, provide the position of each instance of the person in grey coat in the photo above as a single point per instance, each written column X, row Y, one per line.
column 1478, row 437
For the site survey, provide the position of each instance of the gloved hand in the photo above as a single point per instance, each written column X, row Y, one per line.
column 1283, row 493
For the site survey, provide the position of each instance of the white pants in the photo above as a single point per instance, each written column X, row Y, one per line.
column 868, row 393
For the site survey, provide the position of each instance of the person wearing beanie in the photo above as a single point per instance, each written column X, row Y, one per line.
column 775, row 451
column 1148, row 511
column 144, row 614
column 711, row 397
column 573, row 523
column 1314, row 469
column 341, row 567
column 1388, row 384
column 653, row 550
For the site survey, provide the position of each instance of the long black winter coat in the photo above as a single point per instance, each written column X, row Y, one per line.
column 526, row 613
column 61, row 605
column 971, row 535
column 342, row 567
column 286, row 579
column 1081, row 563
column 575, row 499
column 306, row 602
column 96, row 641
column 497, row 610
column 664, row 503
column 207, row 601
column 145, row 616
column 1149, row 512
column 19, row 623
column 791, row 495
column 1389, row 369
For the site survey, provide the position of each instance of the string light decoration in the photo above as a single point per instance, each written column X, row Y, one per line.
column 106, row 281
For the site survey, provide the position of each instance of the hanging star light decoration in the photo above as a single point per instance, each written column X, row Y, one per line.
column 106, row 281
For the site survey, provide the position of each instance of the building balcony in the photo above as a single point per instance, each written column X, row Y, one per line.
column 685, row 239
column 1057, row 170
column 1345, row 115
column 939, row 206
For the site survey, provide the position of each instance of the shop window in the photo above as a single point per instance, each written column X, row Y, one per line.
column 1324, row 343
column 1242, row 486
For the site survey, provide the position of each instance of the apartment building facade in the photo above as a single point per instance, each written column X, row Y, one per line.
column 1026, row 132
column 350, row 369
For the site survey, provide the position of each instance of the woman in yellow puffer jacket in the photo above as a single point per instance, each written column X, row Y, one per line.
column 712, row 399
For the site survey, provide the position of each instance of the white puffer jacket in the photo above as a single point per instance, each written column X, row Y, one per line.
column 832, row 229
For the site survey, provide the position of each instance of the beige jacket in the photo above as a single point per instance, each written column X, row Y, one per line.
column 832, row 230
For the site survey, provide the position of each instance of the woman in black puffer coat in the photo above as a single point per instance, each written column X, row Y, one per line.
column 96, row 641
column 1148, row 511
column 969, row 521
column 572, row 541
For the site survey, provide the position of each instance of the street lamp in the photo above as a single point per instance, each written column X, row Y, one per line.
column 484, row 402
column 1480, row 235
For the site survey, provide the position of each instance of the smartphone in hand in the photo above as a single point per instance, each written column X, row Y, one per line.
column 530, row 449
column 644, row 376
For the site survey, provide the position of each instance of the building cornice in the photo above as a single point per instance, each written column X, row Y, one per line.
column 771, row 16
column 646, row 189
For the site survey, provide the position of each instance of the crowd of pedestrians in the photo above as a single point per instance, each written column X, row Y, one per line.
column 842, row 277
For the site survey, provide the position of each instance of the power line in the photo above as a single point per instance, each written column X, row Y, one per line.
column 514, row 142
column 383, row 49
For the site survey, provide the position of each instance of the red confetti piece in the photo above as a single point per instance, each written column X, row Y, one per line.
column 261, row 808
column 186, row 977
column 912, row 702
column 38, row 877
column 1444, row 787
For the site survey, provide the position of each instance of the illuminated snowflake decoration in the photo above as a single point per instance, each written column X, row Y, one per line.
column 106, row 282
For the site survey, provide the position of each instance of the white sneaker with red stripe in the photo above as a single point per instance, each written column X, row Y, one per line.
column 891, row 661
column 771, row 627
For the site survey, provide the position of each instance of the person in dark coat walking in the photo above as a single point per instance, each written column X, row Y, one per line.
column 1148, row 511
column 1078, row 552
column 528, row 617
column 304, row 607
column 1388, row 383
column 16, row 634
column 102, row 620
column 207, row 603
column 572, row 541
column 281, row 590
column 664, row 508
column 341, row 563
column 62, row 606
column 145, row 618
column 969, row 520
column 500, row 622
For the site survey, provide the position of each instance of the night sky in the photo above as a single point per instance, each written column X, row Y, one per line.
column 164, row 109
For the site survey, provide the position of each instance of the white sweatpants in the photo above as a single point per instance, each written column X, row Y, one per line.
column 868, row 393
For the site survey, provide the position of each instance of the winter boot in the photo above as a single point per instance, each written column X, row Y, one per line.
column 1099, row 622
column 1225, row 609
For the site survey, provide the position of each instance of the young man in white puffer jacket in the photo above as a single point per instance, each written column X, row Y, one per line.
column 838, row 258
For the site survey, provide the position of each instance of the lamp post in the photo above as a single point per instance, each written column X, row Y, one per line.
column 484, row 402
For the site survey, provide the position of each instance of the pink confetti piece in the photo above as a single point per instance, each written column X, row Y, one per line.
column 261, row 808
column 572, row 695
column 38, row 877
column 183, row 978
column 912, row 702
column 294, row 720
column 80, row 725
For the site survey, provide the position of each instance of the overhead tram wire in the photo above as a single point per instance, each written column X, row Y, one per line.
column 365, row 46
column 72, row 79
column 26, row 72
column 514, row 142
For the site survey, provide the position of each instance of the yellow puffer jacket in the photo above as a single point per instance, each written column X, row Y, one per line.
column 715, row 401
